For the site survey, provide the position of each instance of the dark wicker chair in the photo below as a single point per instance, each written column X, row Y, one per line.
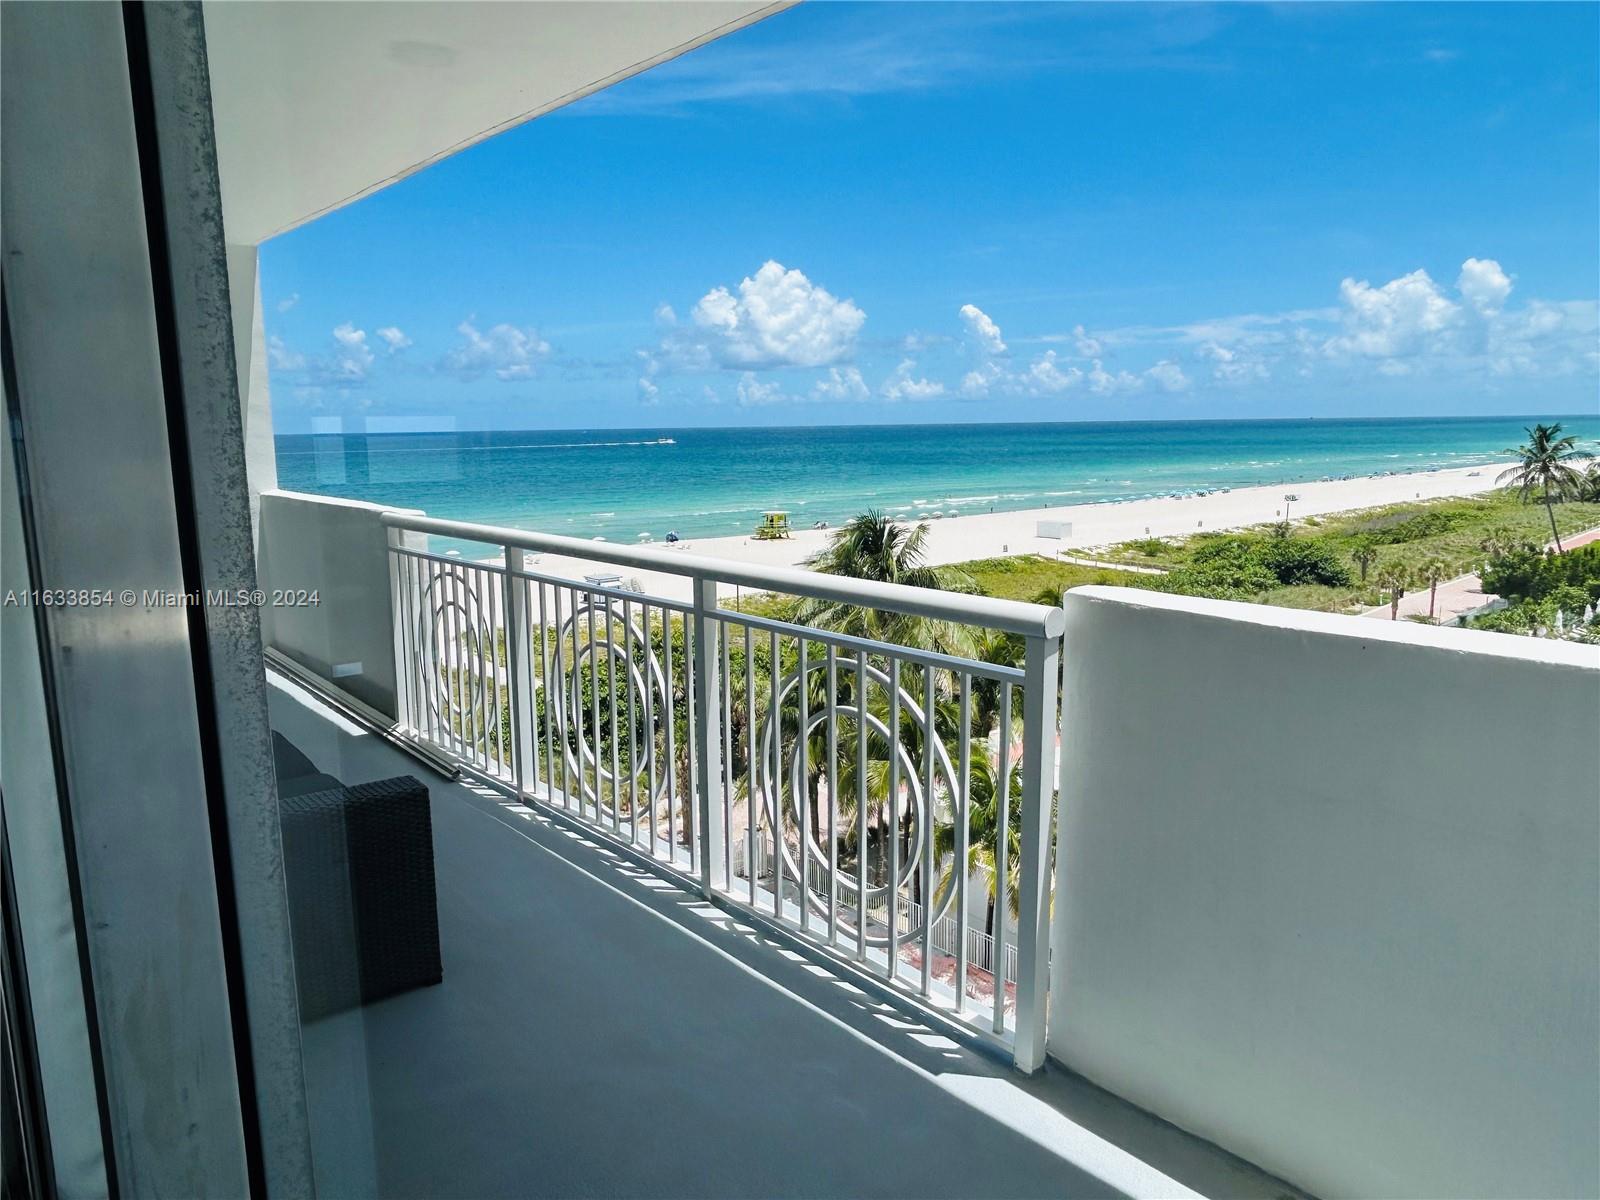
column 358, row 863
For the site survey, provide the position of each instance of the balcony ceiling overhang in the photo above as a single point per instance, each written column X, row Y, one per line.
column 319, row 104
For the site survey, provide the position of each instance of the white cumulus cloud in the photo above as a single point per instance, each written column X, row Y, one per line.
column 1169, row 376
column 353, row 356
column 985, row 334
column 1483, row 284
column 1106, row 382
column 394, row 338
column 841, row 383
column 507, row 351
column 752, row 392
column 1403, row 317
column 905, row 385
column 1046, row 376
column 778, row 318
column 281, row 357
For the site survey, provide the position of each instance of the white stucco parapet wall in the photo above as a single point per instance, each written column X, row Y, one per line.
column 339, row 550
column 1328, row 891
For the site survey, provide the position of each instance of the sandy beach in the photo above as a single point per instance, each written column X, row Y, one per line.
column 990, row 535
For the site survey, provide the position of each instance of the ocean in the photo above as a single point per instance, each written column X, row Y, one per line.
column 617, row 483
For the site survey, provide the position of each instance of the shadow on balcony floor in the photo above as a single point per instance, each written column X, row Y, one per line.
column 601, row 1032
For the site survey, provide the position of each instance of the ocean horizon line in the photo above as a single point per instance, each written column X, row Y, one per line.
column 1153, row 421
column 711, row 482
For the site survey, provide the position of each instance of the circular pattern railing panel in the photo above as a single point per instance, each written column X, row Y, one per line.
column 619, row 653
column 785, row 800
column 455, row 632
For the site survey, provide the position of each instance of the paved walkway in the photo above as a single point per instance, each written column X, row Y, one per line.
column 1464, row 593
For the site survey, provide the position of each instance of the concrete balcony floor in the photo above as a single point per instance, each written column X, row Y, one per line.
column 601, row 1032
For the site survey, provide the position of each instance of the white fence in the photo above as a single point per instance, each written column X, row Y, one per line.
column 677, row 725
column 979, row 950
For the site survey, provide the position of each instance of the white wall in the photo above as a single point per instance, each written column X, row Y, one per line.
column 338, row 549
column 1328, row 892
column 250, row 358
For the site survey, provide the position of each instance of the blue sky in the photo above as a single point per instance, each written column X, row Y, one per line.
column 907, row 213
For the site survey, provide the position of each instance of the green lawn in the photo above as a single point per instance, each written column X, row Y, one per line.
column 1451, row 529
column 1408, row 533
column 1034, row 578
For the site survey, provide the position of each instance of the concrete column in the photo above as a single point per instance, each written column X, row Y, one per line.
column 255, row 399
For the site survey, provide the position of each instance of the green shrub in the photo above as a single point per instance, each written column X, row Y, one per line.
column 1530, row 574
column 1240, row 563
column 1392, row 529
column 1305, row 560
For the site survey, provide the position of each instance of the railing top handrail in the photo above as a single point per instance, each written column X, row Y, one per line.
column 1012, row 616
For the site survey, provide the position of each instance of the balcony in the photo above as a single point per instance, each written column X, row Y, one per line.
column 603, row 1031
column 1297, row 896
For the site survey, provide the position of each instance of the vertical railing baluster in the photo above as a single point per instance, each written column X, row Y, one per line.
column 560, row 698
column 397, row 622
column 519, row 672
column 650, row 736
column 429, row 597
column 750, row 763
column 419, row 675
column 691, row 727
column 484, row 659
column 725, row 699
column 1002, row 867
column 803, row 797
column 707, row 733
column 962, row 804
column 671, row 739
column 833, row 793
column 458, row 692
column 1040, row 681
column 926, row 888
column 891, row 966
column 632, row 726
column 861, row 805
column 616, row 731
column 594, row 708
column 469, row 717
column 544, row 692
column 775, row 722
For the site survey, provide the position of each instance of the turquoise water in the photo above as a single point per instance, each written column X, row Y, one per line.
column 706, row 482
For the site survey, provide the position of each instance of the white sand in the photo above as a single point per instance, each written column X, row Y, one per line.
column 990, row 535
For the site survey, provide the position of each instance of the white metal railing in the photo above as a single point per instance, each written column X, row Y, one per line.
column 679, row 726
column 946, row 929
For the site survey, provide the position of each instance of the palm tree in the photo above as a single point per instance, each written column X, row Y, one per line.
column 1364, row 553
column 983, row 844
column 1394, row 578
column 1591, row 484
column 874, row 546
column 1498, row 543
column 1546, row 468
column 1433, row 571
